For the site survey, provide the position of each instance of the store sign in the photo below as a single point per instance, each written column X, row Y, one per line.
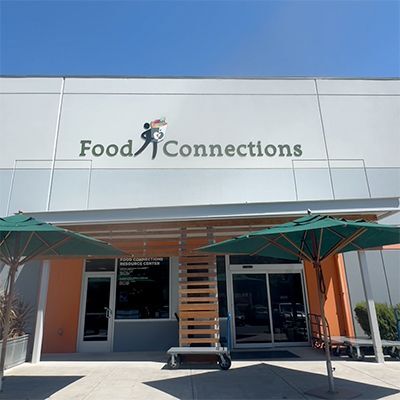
column 131, row 270
column 155, row 132
column 142, row 288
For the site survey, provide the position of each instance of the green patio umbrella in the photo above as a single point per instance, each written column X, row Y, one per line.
column 24, row 238
column 312, row 238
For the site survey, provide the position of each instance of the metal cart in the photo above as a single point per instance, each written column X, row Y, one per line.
column 176, row 353
column 222, row 353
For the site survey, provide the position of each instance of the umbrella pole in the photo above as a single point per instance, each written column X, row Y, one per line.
column 329, row 368
column 6, row 327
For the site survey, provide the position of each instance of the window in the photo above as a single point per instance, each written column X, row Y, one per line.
column 100, row 264
column 142, row 288
column 222, row 300
column 254, row 260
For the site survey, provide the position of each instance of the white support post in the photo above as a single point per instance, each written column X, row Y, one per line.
column 41, row 308
column 373, row 320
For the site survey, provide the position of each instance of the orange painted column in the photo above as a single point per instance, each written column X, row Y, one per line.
column 337, row 304
column 345, row 297
column 63, row 305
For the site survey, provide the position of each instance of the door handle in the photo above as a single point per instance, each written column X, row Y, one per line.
column 108, row 312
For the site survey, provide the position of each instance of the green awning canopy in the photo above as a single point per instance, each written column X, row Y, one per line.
column 23, row 238
column 312, row 238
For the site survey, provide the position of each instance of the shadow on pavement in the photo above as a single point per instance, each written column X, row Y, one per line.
column 34, row 387
column 107, row 357
column 161, row 356
column 259, row 381
column 295, row 354
column 259, row 355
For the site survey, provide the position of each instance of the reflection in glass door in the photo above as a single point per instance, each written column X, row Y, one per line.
column 97, row 314
column 288, row 310
column 252, row 319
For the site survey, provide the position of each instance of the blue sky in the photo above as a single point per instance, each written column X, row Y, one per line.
column 348, row 38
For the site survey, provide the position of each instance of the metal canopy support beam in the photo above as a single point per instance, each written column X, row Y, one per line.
column 373, row 320
column 41, row 308
column 289, row 209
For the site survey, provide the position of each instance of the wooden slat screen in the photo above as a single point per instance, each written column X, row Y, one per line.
column 198, row 299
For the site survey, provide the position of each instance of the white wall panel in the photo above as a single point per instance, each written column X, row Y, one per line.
column 358, row 87
column 200, row 119
column 27, row 127
column 350, row 183
column 381, row 265
column 30, row 85
column 190, row 86
column 5, row 183
column 384, row 182
column 30, row 188
column 124, row 188
column 391, row 260
column 70, row 190
column 363, row 127
column 393, row 219
column 361, row 120
column 313, row 184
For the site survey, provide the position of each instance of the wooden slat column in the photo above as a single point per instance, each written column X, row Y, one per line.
column 198, row 299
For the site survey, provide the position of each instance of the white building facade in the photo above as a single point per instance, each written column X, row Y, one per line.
column 90, row 151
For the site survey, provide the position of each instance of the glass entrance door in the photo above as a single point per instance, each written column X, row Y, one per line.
column 97, row 314
column 251, row 309
column 268, row 308
column 288, row 309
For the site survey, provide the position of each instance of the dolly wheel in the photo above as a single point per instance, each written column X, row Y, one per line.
column 224, row 362
column 395, row 354
column 174, row 362
column 358, row 357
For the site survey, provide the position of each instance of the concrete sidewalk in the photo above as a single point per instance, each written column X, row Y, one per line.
column 121, row 376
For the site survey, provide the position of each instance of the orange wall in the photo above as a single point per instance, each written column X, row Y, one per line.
column 63, row 303
column 337, row 305
column 345, row 297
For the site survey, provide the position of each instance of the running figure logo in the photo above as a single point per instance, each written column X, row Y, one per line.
column 154, row 133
